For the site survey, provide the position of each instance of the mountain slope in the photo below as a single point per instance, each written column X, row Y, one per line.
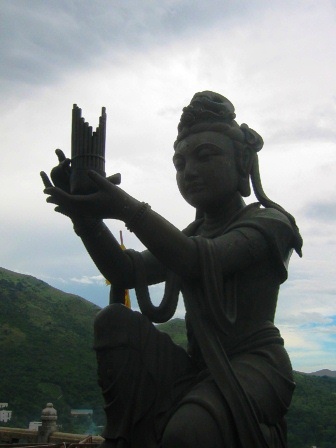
column 46, row 348
column 324, row 372
column 311, row 417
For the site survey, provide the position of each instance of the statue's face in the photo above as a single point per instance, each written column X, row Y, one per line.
column 206, row 171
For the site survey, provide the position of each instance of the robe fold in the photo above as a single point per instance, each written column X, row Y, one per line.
column 236, row 366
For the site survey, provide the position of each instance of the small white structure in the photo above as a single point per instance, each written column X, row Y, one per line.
column 81, row 412
column 33, row 426
column 5, row 415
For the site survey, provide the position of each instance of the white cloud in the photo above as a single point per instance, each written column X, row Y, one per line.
column 88, row 280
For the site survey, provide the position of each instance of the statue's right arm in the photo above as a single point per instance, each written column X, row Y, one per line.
column 105, row 252
column 113, row 262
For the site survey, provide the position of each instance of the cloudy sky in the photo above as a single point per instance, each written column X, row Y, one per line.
column 144, row 60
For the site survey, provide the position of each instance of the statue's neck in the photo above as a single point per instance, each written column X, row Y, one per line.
column 218, row 219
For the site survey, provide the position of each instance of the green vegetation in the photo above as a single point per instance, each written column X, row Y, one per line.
column 46, row 356
column 312, row 417
column 176, row 330
column 46, row 351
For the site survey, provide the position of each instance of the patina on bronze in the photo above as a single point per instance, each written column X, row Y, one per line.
column 233, row 386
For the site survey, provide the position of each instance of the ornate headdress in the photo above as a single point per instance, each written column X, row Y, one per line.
column 210, row 111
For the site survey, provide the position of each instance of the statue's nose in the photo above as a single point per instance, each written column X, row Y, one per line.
column 190, row 170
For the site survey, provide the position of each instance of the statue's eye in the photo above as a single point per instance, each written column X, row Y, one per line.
column 208, row 151
column 203, row 154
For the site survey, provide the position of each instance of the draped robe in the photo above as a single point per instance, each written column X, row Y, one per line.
column 236, row 366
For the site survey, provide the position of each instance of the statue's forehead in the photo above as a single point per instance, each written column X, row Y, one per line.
column 192, row 141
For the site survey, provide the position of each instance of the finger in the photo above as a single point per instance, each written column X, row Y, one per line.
column 45, row 179
column 52, row 200
column 115, row 179
column 71, row 211
column 60, row 155
column 101, row 181
column 57, row 193
column 61, row 204
column 63, row 211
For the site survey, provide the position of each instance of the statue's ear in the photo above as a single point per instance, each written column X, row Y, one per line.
column 244, row 161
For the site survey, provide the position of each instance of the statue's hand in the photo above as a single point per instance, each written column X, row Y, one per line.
column 109, row 201
column 60, row 174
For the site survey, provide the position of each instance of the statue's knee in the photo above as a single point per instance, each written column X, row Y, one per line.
column 111, row 314
column 191, row 426
column 111, row 326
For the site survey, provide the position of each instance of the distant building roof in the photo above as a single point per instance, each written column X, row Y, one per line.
column 81, row 411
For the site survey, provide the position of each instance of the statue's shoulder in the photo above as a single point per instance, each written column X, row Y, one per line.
column 258, row 214
column 192, row 227
column 270, row 222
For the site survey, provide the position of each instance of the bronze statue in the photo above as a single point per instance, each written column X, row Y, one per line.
column 233, row 386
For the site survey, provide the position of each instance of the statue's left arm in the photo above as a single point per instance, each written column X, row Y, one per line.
column 168, row 244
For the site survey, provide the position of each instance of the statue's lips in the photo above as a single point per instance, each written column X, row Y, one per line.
column 194, row 188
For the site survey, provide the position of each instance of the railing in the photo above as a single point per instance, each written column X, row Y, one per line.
column 19, row 437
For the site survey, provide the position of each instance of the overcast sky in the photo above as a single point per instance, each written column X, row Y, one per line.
column 144, row 60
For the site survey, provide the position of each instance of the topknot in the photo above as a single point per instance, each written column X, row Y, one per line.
column 210, row 111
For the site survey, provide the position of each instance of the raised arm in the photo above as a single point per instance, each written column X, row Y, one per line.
column 114, row 264
column 105, row 251
column 169, row 245
column 101, row 245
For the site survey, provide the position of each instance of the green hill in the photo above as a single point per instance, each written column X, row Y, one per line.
column 312, row 417
column 46, row 350
column 176, row 330
column 46, row 355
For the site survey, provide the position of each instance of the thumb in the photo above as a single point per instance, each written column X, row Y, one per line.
column 101, row 181
column 115, row 179
column 60, row 155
